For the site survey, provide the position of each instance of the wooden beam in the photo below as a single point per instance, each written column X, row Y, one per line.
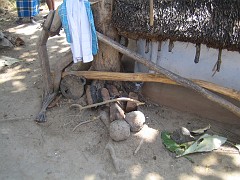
column 146, row 77
column 180, row 80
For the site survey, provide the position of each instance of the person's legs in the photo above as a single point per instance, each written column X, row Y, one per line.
column 33, row 10
column 20, row 20
column 20, row 12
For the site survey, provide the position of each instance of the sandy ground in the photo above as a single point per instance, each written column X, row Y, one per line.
column 53, row 151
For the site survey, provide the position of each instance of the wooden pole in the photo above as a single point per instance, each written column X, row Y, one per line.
column 151, row 12
column 180, row 80
column 44, row 62
column 48, row 94
column 146, row 77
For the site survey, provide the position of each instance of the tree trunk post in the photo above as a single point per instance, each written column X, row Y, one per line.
column 108, row 58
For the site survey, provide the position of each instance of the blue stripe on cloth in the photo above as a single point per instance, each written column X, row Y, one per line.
column 27, row 8
column 62, row 11
column 94, row 33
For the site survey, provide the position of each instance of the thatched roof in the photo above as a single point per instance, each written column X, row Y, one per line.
column 212, row 22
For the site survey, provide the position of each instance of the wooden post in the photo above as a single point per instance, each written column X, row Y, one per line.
column 44, row 62
column 108, row 58
column 151, row 12
column 48, row 92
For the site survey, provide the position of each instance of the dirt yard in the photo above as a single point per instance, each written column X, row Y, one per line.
column 52, row 150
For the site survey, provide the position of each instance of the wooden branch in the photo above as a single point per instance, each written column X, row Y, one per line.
column 50, row 86
column 56, row 23
column 47, row 23
column 146, row 77
column 41, row 117
column 48, row 94
column 105, row 102
column 44, row 61
column 180, row 80
column 85, row 122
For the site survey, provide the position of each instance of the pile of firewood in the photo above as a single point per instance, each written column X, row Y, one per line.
column 123, row 114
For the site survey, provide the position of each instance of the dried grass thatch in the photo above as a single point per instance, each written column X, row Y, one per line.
column 211, row 22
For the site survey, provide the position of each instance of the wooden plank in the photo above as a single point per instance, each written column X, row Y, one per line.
column 146, row 77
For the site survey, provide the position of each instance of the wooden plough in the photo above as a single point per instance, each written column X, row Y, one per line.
column 51, row 84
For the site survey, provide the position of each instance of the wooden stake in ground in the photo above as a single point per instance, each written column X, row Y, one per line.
column 51, row 85
column 180, row 80
column 48, row 93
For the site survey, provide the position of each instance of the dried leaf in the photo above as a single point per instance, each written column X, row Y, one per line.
column 200, row 131
column 205, row 143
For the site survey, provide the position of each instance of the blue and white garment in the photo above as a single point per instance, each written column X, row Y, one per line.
column 70, row 13
column 27, row 8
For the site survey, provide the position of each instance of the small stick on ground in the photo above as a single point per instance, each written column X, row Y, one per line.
column 113, row 155
column 104, row 117
column 139, row 146
column 105, row 102
column 85, row 122
column 15, row 119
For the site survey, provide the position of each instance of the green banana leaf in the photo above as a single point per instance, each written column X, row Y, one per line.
column 170, row 144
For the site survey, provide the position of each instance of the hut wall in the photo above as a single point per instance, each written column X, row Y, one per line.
column 181, row 61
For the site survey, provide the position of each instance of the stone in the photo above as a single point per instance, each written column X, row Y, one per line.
column 4, row 42
column 119, row 130
column 136, row 120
